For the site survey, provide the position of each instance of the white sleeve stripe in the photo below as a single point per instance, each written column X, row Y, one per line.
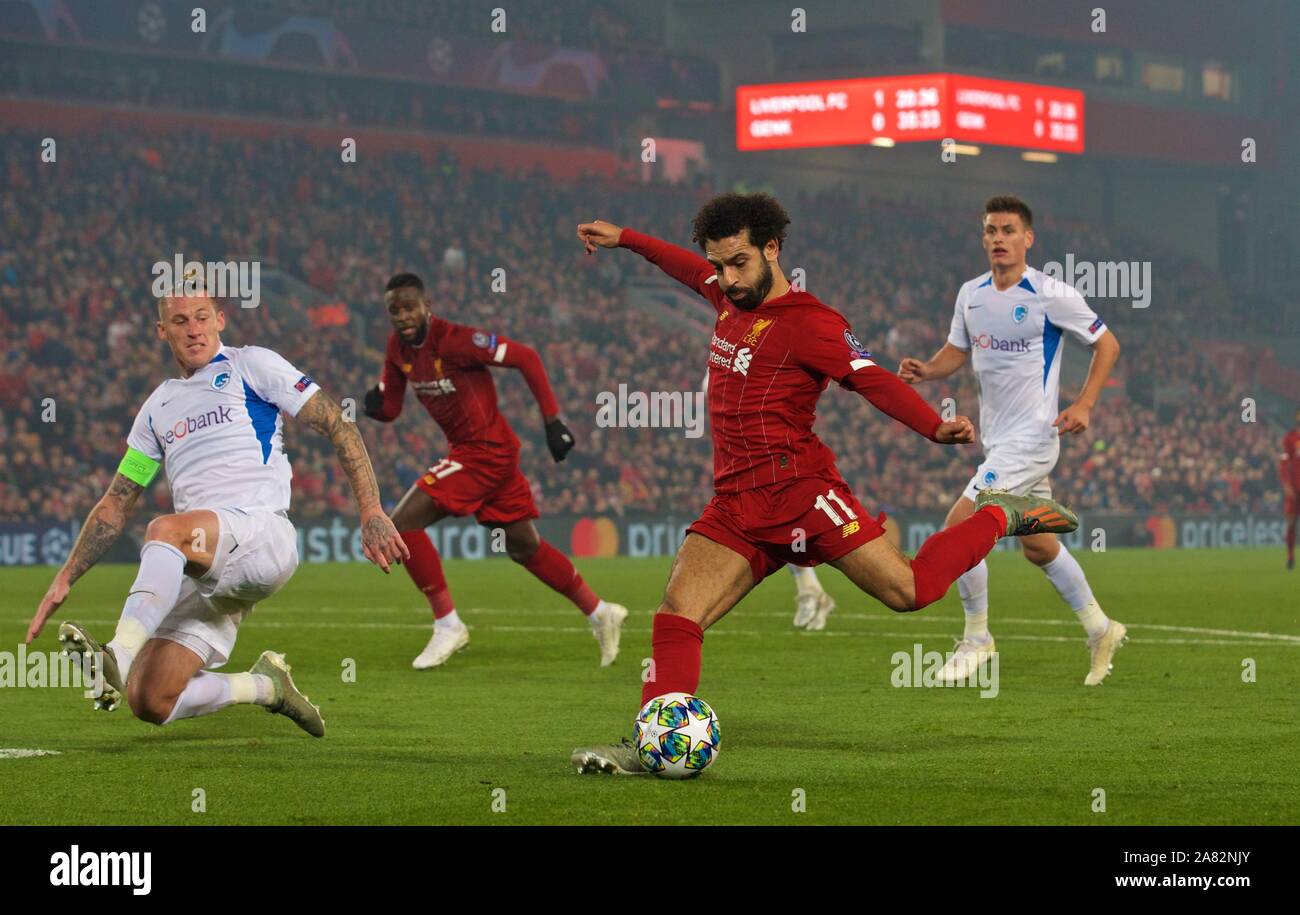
column 500, row 353
column 860, row 364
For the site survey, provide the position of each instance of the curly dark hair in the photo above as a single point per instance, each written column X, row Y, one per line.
column 726, row 214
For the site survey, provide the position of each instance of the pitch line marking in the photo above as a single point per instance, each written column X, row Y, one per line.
column 25, row 753
column 748, row 633
column 880, row 617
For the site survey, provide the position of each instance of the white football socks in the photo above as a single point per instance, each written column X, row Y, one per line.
column 153, row 595
column 594, row 617
column 973, row 586
column 805, row 580
column 450, row 621
column 1066, row 575
column 210, row 692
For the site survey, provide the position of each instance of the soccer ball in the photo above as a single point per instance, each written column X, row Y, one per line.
column 677, row 735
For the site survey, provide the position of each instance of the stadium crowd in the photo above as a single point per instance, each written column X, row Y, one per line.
column 306, row 96
column 78, row 353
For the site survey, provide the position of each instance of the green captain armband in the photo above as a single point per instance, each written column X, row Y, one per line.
column 138, row 467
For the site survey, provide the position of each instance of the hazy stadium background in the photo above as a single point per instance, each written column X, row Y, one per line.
column 478, row 152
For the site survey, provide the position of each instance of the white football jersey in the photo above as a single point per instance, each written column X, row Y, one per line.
column 1014, row 338
column 218, row 432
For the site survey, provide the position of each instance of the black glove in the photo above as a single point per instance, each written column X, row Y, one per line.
column 373, row 405
column 559, row 439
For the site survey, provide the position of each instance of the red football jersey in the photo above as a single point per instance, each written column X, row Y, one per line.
column 449, row 372
column 1290, row 465
column 767, row 367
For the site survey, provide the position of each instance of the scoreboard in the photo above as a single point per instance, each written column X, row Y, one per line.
column 906, row 109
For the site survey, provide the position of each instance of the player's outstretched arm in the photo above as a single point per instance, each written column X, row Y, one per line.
column 827, row 347
column 379, row 538
column 1105, row 353
column 687, row 267
column 100, row 531
column 513, row 354
column 896, row 400
column 942, row 364
column 599, row 234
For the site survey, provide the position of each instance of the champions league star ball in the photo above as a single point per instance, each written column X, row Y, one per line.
column 677, row 735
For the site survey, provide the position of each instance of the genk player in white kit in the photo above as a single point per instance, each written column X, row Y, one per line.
column 229, row 544
column 1009, row 323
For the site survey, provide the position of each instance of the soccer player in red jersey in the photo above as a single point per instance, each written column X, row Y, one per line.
column 778, row 497
column 447, row 366
column 1290, row 473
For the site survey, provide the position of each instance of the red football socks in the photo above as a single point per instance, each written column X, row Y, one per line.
column 1290, row 539
column 425, row 569
column 677, row 643
column 954, row 551
column 555, row 570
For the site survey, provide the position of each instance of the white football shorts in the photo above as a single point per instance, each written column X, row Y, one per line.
column 1021, row 470
column 256, row 555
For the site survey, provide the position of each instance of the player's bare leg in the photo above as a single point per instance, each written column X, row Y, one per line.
column 168, row 683
column 415, row 512
column 161, row 672
column 706, row 581
column 556, row 571
column 175, row 546
column 811, row 603
column 878, row 568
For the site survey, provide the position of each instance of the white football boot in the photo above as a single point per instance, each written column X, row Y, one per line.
column 1103, row 650
column 805, row 605
column 442, row 645
column 608, row 759
column 288, row 701
column 76, row 642
column 608, row 630
column 822, row 608
column 966, row 659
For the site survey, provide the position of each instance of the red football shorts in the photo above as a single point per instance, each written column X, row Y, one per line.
column 806, row 521
column 485, row 483
column 1291, row 508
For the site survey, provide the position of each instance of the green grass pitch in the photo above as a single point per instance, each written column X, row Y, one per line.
column 1174, row 736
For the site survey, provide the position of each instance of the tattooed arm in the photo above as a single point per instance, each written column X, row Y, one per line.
column 379, row 539
column 101, row 529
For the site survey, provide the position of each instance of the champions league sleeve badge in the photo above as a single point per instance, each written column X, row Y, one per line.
column 855, row 344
